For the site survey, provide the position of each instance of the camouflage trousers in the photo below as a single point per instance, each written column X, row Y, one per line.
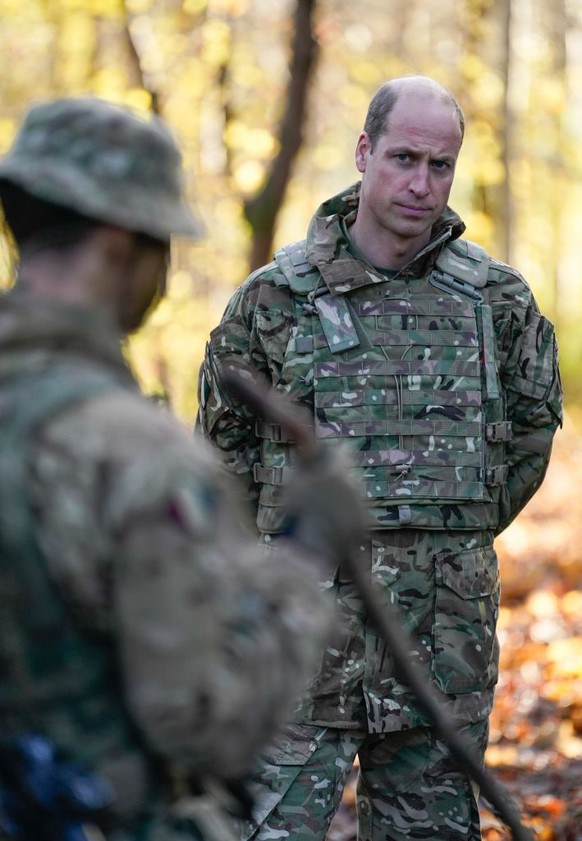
column 408, row 788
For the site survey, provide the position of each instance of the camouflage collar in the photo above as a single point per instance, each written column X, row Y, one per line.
column 328, row 247
column 64, row 330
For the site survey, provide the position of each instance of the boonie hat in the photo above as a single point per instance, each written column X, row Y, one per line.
column 106, row 162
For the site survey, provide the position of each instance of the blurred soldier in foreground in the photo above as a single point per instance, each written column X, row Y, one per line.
column 147, row 644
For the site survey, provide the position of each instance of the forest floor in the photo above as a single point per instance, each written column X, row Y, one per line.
column 535, row 748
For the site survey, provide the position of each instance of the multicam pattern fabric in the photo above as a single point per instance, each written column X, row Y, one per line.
column 408, row 403
column 454, row 396
column 458, row 390
column 442, row 380
column 446, row 587
column 408, row 786
column 151, row 626
column 104, row 161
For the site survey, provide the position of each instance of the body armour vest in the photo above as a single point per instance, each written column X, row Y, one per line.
column 404, row 373
column 55, row 680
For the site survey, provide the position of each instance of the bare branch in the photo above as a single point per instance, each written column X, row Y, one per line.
column 135, row 60
column 261, row 211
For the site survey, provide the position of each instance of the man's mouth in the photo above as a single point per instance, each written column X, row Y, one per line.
column 414, row 210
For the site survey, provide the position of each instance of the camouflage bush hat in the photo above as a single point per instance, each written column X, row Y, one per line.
column 104, row 161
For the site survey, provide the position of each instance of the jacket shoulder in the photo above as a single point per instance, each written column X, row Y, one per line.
column 508, row 287
column 466, row 261
column 297, row 272
column 470, row 262
column 288, row 274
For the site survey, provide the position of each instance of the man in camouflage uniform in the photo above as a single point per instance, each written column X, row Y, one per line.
column 144, row 633
column 433, row 362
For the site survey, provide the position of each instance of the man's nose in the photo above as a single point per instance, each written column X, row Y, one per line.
column 419, row 183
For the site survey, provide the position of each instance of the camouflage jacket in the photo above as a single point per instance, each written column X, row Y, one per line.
column 153, row 627
column 449, row 355
column 442, row 377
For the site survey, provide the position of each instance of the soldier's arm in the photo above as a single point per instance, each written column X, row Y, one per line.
column 224, row 421
column 251, row 338
column 531, row 381
column 217, row 637
column 213, row 637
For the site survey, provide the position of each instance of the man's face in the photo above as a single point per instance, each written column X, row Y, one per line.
column 407, row 179
column 146, row 282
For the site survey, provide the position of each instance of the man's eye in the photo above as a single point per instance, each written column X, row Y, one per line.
column 440, row 164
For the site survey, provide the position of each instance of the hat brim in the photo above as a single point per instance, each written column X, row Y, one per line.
column 135, row 208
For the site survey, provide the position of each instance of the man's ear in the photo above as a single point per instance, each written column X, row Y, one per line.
column 363, row 149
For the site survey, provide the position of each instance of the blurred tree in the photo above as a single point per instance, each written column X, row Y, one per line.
column 262, row 210
column 137, row 77
column 485, row 73
column 267, row 100
column 554, row 21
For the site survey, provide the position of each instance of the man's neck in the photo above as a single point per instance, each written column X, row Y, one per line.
column 77, row 278
column 382, row 252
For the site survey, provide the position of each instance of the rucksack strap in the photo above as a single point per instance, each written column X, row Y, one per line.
column 30, row 403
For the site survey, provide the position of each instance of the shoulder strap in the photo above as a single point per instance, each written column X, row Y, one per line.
column 298, row 273
column 31, row 402
column 466, row 261
column 461, row 259
column 463, row 266
column 333, row 310
column 34, row 400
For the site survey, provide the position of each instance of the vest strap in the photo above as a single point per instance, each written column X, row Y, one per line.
column 52, row 392
column 466, row 261
column 271, row 431
column 297, row 272
column 485, row 315
column 304, row 344
column 270, row 475
column 448, row 283
column 493, row 476
column 499, row 431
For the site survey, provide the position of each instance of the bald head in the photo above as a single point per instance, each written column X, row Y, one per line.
column 417, row 87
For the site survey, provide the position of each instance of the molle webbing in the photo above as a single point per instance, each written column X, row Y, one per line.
column 418, row 395
column 404, row 374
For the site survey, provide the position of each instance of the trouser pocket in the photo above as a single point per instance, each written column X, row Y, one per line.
column 466, row 651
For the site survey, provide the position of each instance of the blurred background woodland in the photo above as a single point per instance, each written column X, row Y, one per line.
column 267, row 98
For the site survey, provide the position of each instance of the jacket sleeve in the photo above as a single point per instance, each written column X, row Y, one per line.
column 251, row 338
column 533, row 393
column 223, row 420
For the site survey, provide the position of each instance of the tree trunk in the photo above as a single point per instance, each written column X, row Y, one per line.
column 262, row 210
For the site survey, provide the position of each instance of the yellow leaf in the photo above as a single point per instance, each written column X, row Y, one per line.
column 249, row 176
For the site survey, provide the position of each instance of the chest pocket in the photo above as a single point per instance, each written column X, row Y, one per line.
column 465, row 648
